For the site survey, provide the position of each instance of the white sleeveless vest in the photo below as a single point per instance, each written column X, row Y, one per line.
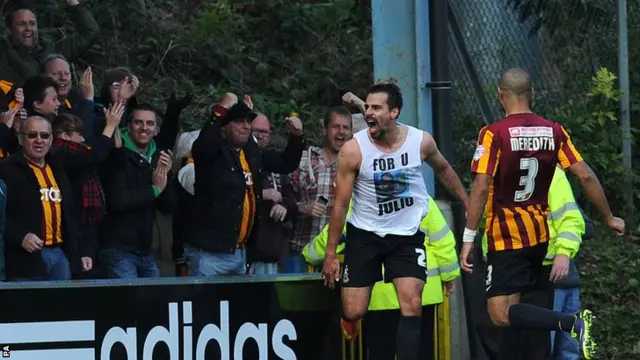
column 389, row 194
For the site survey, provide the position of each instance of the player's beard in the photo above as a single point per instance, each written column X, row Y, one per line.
column 379, row 135
column 374, row 125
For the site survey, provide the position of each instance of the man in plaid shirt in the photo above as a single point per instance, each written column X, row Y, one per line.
column 315, row 180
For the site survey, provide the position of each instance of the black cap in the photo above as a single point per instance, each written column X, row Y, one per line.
column 239, row 111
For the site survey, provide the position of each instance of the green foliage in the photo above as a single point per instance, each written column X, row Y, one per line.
column 551, row 14
column 289, row 56
column 579, row 37
column 611, row 289
column 608, row 264
column 465, row 133
column 590, row 117
column 593, row 123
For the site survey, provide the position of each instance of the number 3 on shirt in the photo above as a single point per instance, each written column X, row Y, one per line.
column 530, row 165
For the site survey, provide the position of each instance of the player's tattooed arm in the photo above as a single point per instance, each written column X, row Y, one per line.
column 443, row 170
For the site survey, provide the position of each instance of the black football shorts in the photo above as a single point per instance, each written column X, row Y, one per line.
column 516, row 271
column 365, row 253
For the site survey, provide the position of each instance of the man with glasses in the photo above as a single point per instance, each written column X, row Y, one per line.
column 261, row 129
column 277, row 207
column 42, row 234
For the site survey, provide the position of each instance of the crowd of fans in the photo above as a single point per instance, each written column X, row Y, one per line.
column 83, row 176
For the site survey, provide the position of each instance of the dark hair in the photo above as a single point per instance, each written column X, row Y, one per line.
column 394, row 95
column 49, row 58
column 111, row 76
column 10, row 7
column 338, row 110
column 144, row 107
column 35, row 89
column 67, row 123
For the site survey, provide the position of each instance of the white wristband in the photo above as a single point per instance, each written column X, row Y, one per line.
column 469, row 235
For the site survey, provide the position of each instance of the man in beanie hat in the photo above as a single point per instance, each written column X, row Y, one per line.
column 228, row 163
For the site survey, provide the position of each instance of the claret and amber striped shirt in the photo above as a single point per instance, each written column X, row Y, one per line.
column 51, row 199
column 249, row 204
column 520, row 152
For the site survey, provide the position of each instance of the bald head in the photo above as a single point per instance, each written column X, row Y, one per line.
column 261, row 129
column 261, row 120
column 516, row 82
column 35, row 139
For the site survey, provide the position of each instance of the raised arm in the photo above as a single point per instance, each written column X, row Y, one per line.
column 87, row 30
column 170, row 126
column 349, row 160
column 352, row 100
column 287, row 161
column 210, row 133
column 569, row 158
column 443, row 170
column 101, row 146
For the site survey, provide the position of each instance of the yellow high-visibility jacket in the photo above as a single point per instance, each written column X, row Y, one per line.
column 566, row 223
column 442, row 260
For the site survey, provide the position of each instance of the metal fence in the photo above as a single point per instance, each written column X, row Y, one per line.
column 561, row 45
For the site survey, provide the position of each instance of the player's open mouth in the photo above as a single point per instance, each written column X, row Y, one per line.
column 371, row 123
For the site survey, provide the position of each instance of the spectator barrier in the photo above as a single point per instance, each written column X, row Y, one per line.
column 355, row 349
column 250, row 317
column 277, row 317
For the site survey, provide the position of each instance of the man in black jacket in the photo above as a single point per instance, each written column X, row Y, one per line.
column 228, row 163
column 23, row 49
column 42, row 235
column 135, row 181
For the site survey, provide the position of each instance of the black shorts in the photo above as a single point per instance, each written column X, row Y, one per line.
column 516, row 271
column 366, row 252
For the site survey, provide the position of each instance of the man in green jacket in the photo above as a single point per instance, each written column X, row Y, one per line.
column 382, row 317
column 22, row 50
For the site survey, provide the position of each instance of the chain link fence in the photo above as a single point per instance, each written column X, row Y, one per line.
column 561, row 43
